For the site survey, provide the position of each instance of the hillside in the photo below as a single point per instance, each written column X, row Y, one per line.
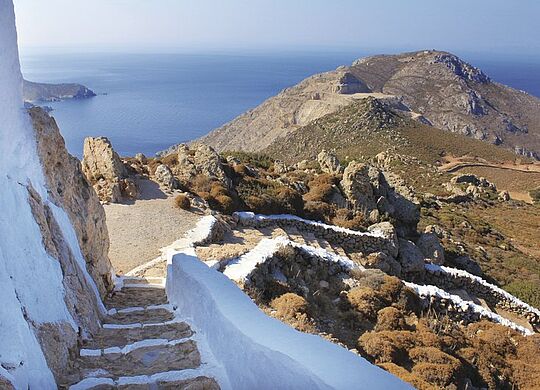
column 42, row 92
column 434, row 87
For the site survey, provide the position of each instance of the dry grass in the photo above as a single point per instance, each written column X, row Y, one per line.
column 182, row 202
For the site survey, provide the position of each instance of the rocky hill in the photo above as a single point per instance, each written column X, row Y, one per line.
column 434, row 87
column 358, row 252
column 42, row 92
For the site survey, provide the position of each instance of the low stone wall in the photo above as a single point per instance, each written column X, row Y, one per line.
column 449, row 281
column 347, row 239
column 292, row 262
column 467, row 314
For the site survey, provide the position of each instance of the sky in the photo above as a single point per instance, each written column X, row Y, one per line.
column 496, row 26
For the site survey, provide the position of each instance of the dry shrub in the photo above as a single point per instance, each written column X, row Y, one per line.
column 526, row 367
column 241, row 170
column 390, row 289
column 349, row 220
column 406, row 376
column 440, row 375
column 289, row 305
column 390, row 318
column 433, row 355
column 387, row 346
column 290, row 200
column 365, row 301
column 171, row 160
column 435, row 366
column 182, row 202
column 318, row 211
column 321, row 188
column 201, row 183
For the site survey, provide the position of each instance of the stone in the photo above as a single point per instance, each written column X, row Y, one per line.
column 431, row 247
column 105, row 171
column 356, row 186
column 411, row 258
column 329, row 163
column 382, row 261
column 165, row 177
column 504, row 196
column 280, row 167
column 141, row 158
column 324, row 284
column 466, row 263
column 200, row 159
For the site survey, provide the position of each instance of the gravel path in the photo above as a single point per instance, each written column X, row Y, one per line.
column 139, row 229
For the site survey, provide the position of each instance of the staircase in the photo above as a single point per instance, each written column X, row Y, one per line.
column 141, row 345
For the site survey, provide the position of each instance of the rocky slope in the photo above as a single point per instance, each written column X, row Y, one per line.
column 434, row 87
column 43, row 92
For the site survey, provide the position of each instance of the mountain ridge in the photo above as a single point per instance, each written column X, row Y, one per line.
column 434, row 87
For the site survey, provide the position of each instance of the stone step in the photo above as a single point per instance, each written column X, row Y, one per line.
column 340, row 251
column 132, row 297
column 143, row 280
column 169, row 380
column 109, row 337
column 175, row 355
column 140, row 315
column 298, row 238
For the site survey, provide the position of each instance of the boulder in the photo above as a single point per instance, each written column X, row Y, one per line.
column 431, row 247
column 411, row 258
column 382, row 261
column 105, row 171
column 200, row 159
column 504, row 196
column 329, row 163
column 356, row 186
column 165, row 177
column 464, row 262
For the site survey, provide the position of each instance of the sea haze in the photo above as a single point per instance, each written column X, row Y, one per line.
column 147, row 102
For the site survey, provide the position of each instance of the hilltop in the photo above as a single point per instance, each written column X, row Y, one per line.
column 433, row 87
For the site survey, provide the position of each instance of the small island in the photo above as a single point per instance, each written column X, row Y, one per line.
column 42, row 92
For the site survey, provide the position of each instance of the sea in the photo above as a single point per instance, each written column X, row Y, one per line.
column 147, row 102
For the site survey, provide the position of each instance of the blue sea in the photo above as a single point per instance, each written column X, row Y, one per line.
column 147, row 102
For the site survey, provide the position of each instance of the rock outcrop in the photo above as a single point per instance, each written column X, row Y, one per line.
column 199, row 159
column 70, row 190
column 106, row 172
column 378, row 194
column 329, row 163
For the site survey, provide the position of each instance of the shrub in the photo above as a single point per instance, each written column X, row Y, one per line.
column 387, row 346
column 290, row 200
column 535, row 195
column 440, row 375
column 182, row 202
column 258, row 160
column 406, row 376
column 321, row 188
column 526, row 290
column 224, row 203
column 318, row 211
column 389, row 318
column 289, row 305
column 365, row 301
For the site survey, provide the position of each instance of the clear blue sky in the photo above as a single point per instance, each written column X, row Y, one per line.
column 459, row 25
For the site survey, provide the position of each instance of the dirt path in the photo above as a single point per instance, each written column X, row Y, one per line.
column 139, row 229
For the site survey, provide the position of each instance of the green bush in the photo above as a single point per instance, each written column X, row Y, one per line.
column 528, row 291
